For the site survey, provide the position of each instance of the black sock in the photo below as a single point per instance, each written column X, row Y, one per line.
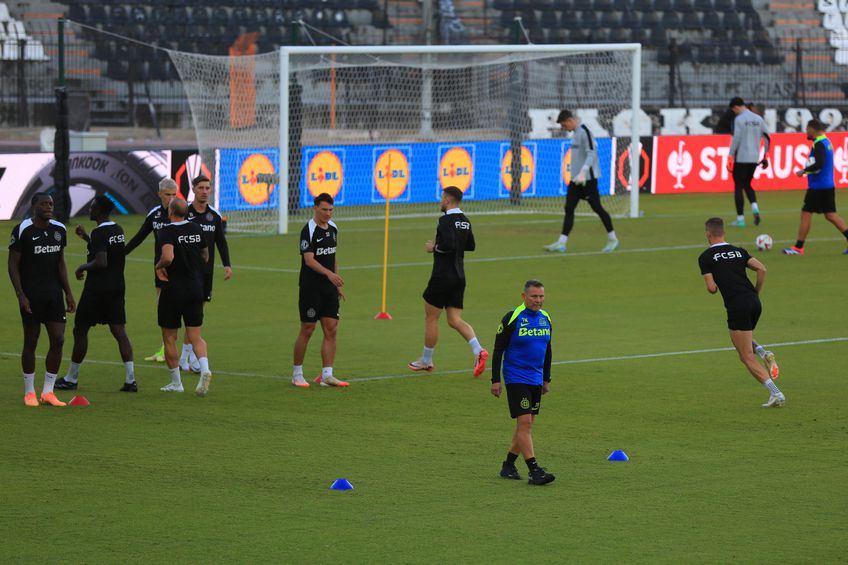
column 800, row 243
column 845, row 233
column 531, row 464
column 511, row 458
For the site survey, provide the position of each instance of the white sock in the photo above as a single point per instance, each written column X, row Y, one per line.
column 755, row 208
column 761, row 351
column 204, row 364
column 73, row 372
column 129, row 372
column 326, row 372
column 427, row 356
column 29, row 383
column 297, row 372
column 175, row 376
column 611, row 236
column 186, row 352
column 563, row 238
column 772, row 388
column 740, row 218
column 475, row 345
column 192, row 358
column 49, row 381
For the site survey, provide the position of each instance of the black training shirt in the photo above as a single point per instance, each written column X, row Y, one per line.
column 728, row 263
column 186, row 270
column 453, row 238
column 108, row 238
column 321, row 242
column 156, row 219
column 41, row 250
column 213, row 234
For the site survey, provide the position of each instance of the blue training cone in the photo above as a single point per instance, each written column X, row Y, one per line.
column 341, row 484
column 618, row 455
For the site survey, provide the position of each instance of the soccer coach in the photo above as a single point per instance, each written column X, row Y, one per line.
column 523, row 344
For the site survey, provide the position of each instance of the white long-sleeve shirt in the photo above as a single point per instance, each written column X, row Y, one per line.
column 748, row 129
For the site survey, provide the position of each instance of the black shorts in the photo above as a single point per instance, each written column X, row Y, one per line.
column 523, row 399
column 178, row 305
column 820, row 200
column 318, row 301
column 100, row 308
column 158, row 283
column 743, row 314
column 207, row 287
column 46, row 307
column 445, row 293
column 583, row 191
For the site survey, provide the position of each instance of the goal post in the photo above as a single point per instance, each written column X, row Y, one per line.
column 310, row 67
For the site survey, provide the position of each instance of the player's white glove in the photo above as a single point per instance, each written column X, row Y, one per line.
column 581, row 179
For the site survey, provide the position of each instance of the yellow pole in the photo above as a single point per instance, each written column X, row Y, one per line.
column 384, row 314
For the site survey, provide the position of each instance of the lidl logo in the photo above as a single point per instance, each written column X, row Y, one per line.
column 257, row 179
column 325, row 173
column 528, row 169
column 456, row 168
column 566, row 167
column 391, row 173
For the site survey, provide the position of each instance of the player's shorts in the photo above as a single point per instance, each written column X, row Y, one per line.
column 178, row 305
column 318, row 301
column 523, row 399
column 820, row 200
column 583, row 191
column 100, row 308
column 207, row 287
column 445, row 293
column 46, row 307
column 743, row 314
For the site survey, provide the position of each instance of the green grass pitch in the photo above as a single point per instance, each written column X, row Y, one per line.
column 244, row 474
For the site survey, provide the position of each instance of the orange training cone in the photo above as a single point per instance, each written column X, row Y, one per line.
column 79, row 400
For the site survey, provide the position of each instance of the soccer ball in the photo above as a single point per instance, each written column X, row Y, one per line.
column 764, row 242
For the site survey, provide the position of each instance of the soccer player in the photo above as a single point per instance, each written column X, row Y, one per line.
column 38, row 274
column 723, row 266
column 180, row 268
column 584, row 184
column 523, row 344
column 821, row 187
column 102, row 300
column 200, row 212
column 156, row 219
column 320, row 290
column 446, row 288
column 744, row 156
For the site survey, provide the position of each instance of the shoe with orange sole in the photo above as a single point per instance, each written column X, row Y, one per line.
column 30, row 399
column 330, row 381
column 480, row 364
column 50, row 398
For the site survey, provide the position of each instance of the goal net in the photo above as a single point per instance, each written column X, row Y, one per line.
column 369, row 123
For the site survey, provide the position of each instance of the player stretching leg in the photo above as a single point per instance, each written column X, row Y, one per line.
column 38, row 274
column 155, row 220
column 446, row 288
column 584, row 185
column 320, row 291
column 180, row 267
column 744, row 156
column 102, row 300
column 723, row 267
column 200, row 212
column 523, row 343
column 821, row 191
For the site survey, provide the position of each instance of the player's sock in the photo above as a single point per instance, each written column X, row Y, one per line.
column 204, row 364
column 427, row 356
column 129, row 372
column 531, row 464
column 845, row 233
column 192, row 358
column 563, row 238
column 611, row 235
column 475, row 346
column 755, row 208
column 185, row 354
column 511, row 458
column 175, row 376
column 772, row 388
column 326, row 372
column 29, row 383
column 49, row 381
column 740, row 218
column 800, row 243
column 73, row 372
column 761, row 351
column 297, row 371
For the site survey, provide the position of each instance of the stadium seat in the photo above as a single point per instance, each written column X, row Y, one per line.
column 640, row 35
column 663, row 5
column 280, row 17
column 643, row 5
column 727, row 54
column 117, row 16
column 97, row 14
column 603, row 5
column 339, row 19
column 684, row 6
column 590, row 20
column 670, row 20
column 691, row 20
column 620, row 35
column 240, row 16
column 707, row 54
column 631, row 19
column 220, row 16
column 138, row 15
column 650, row 20
column 703, row 5
column 200, row 16
column 725, row 6
column 503, row 5
column 712, row 21
column 732, row 23
column 610, row 19
column 550, row 20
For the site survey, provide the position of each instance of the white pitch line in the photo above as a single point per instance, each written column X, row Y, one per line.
column 458, row 371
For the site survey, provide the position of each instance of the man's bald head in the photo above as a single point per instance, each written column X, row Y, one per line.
column 178, row 208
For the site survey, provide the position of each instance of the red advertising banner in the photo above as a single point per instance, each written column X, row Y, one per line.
column 698, row 163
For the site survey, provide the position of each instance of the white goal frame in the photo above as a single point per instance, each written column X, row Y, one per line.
column 635, row 101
